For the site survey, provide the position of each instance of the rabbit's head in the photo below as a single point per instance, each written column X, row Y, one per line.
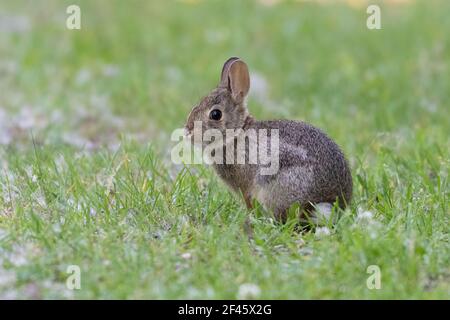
column 225, row 106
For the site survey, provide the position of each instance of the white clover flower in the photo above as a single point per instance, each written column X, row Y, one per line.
column 364, row 215
column 110, row 70
column 7, row 277
column 39, row 197
column 83, row 76
column 14, row 23
column 186, row 255
column 248, row 291
column 322, row 232
column 365, row 219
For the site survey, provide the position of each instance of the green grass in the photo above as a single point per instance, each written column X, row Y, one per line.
column 85, row 171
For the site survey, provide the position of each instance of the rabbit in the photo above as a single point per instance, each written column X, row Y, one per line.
column 313, row 172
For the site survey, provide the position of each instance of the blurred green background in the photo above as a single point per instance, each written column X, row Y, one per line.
column 113, row 92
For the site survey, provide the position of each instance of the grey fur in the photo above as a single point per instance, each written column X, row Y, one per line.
column 312, row 168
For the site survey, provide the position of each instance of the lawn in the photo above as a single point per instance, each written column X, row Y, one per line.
column 86, row 176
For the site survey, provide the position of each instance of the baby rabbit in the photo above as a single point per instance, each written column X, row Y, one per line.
column 312, row 171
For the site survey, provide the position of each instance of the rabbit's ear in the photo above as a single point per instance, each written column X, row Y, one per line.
column 225, row 71
column 239, row 80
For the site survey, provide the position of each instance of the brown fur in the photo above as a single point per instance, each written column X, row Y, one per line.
column 312, row 168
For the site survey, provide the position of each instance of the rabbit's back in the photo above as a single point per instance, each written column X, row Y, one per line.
column 311, row 162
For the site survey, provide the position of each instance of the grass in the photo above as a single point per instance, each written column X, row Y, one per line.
column 85, row 171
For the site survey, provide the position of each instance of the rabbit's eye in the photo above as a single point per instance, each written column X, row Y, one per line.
column 215, row 114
